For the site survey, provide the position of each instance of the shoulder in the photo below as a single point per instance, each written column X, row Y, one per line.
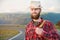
column 49, row 23
column 28, row 24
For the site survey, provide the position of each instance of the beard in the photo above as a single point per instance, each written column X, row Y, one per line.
column 35, row 16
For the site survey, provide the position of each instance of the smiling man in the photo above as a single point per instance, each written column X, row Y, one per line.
column 37, row 28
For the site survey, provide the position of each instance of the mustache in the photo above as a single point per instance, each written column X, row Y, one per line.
column 34, row 13
column 35, row 17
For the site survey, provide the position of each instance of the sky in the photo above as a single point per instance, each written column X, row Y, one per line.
column 12, row 6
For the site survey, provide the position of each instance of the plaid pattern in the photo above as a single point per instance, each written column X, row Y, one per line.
column 50, row 33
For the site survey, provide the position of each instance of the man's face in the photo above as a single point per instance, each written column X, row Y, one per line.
column 35, row 12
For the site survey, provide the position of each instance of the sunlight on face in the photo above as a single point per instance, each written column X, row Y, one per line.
column 35, row 11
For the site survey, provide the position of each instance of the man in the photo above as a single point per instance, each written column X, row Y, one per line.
column 37, row 28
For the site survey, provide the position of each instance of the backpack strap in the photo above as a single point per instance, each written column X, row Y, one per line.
column 41, row 25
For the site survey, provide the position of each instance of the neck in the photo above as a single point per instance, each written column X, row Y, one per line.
column 36, row 20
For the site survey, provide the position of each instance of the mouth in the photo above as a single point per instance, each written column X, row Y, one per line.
column 34, row 13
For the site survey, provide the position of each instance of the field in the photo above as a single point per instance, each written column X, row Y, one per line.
column 8, row 31
column 58, row 27
column 4, row 34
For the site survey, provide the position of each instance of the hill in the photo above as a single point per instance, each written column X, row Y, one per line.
column 23, row 19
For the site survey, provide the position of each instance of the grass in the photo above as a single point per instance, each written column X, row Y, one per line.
column 8, row 31
column 4, row 34
column 58, row 27
column 21, row 26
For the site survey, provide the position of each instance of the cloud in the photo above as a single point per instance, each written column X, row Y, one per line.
column 12, row 6
column 23, row 5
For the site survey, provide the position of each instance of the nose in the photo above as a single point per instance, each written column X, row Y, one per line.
column 34, row 11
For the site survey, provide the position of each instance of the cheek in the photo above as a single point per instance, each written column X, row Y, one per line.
column 37, row 11
column 31, row 11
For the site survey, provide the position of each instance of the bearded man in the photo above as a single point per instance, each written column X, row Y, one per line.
column 37, row 28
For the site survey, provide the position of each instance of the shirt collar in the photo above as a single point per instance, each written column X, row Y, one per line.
column 40, row 20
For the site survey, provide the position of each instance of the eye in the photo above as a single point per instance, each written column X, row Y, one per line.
column 31, row 8
column 36, row 8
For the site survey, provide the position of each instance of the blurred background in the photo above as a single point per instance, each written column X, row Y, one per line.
column 15, row 14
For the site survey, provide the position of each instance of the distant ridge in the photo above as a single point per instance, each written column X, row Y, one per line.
column 24, row 18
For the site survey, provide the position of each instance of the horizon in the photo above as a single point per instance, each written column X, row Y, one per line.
column 24, row 18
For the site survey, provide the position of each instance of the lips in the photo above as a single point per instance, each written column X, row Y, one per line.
column 34, row 13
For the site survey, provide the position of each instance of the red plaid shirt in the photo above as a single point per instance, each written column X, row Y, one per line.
column 50, row 33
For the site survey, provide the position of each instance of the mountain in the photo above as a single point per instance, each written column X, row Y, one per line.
column 24, row 18
column 53, row 17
